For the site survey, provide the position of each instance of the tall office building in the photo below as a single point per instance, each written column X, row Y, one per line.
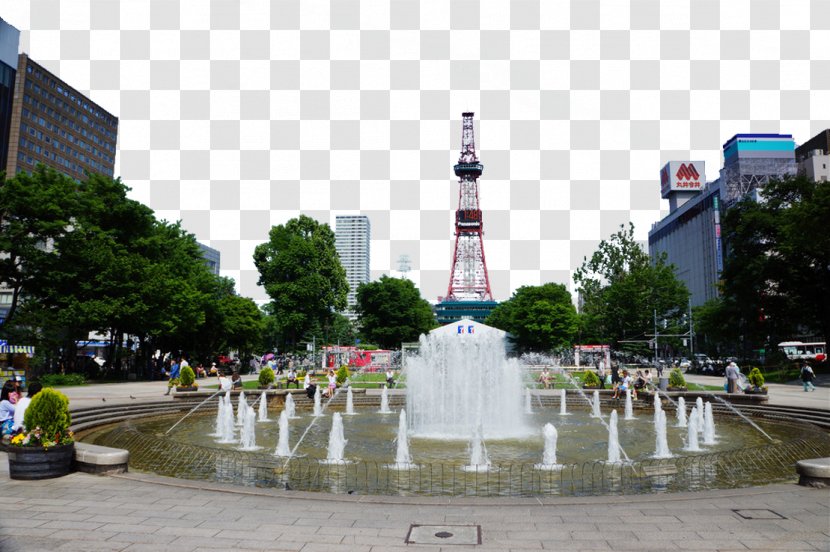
column 212, row 257
column 813, row 157
column 752, row 160
column 55, row 125
column 352, row 240
column 9, row 40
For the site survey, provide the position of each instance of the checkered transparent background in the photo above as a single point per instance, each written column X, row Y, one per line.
column 237, row 115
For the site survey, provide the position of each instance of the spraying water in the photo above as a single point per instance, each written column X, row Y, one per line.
column 282, row 444
column 699, row 406
column 708, row 425
column 192, row 410
column 241, row 407
column 661, row 449
column 739, row 413
column 479, row 460
column 349, row 403
column 613, row 439
column 549, row 454
column 403, row 460
column 220, row 415
column 290, row 406
column 681, row 412
column 563, row 403
column 691, row 434
column 595, row 413
column 629, row 407
column 318, row 407
column 263, row 408
column 528, row 407
column 225, row 430
column 384, row 402
column 247, row 438
column 337, row 442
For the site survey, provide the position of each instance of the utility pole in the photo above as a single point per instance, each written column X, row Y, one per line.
column 656, row 350
column 691, row 333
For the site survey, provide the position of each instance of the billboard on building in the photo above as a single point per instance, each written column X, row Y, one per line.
column 682, row 176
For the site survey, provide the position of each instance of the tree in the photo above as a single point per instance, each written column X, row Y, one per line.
column 540, row 318
column 622, row 287
column 391, row 311
column 302, row 274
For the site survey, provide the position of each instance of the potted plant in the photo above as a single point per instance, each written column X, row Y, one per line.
column 590, row 380
column 756, row 383
column 187, row 380
column 266, row 378
column 342, row 374
column 47, row 449
column 676, row 380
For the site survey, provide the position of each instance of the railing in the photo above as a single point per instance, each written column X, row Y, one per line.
column 730, row 469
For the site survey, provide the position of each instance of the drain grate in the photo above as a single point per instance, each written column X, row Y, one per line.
column 444, row 534
column 761, row 513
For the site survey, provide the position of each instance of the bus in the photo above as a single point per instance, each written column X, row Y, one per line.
column 796, row 350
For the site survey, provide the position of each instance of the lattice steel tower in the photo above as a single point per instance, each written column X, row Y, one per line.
column 468, row 277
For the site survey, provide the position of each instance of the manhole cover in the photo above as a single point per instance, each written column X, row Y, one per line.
column 444, row 534
column 759, row 514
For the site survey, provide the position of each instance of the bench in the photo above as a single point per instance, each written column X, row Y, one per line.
column 97, row 459
column 814, row 472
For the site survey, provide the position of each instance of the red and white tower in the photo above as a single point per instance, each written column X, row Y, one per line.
column 468, row 276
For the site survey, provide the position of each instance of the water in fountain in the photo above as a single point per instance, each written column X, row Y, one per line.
column 563, row 403
column 691, row 435
column 699, row 406
column 453, row 375
column 318, row 408
column 337, row 442
column 681, row 412
column 240, row 408
column 708, row 425
column 403, row 460
column 595, row 413
column 282, row 444
column 228, row 430
column 661, row 449
column 349, row 403
column 384, row 401
column 220, row 415
column 613, row 439
column 528, row 407
column 658, row 406
column 479, row 460
column 741, row 414
column 247, row 437
column 290, row 406
column 263, row 408
column 629, row 407
column 549, row 454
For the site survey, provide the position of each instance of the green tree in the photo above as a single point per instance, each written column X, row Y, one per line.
column 540, row 318
column 302, row 274
column 621, row 288
column 391, row 311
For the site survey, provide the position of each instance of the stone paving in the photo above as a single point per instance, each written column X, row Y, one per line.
column 135, row 511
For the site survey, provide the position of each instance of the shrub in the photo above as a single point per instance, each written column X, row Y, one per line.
column 266, row 377
column 186, row 377
column 342, row 374
column 590, row 379
column 49, row 413
column 756, row 378
column 676, row 378
column 56, row 380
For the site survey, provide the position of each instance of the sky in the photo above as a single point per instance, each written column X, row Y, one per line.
column 236, row 116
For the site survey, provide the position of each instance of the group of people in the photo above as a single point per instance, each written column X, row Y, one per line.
column 13, row 405
column 640, row 380
column 311, row 387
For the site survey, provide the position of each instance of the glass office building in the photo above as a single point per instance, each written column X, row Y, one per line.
column 352, row 240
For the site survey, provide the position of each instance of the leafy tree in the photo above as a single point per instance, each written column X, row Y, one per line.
column 391, row 311
column 302, row 274
column 621, row 287
column 540, row 318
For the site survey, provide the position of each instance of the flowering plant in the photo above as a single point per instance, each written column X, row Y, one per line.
column 38, row 438
column 48, row 416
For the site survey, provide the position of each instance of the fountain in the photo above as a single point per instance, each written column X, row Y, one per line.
column 699, row 406
column 454, row 376
column 241, row 406
column 384, row 402
column 263, row 408
column 708, row 425
column 549, row 454
column 528, row 407
column 595, row 413
column 290, row 406
column 337, row 442
column 661, row 449
column 349, row 403
column 318, row 408
column 225, row 426
column 691, row 435
column 403, row 460
column 613, row 439
column 681, row 412
column 629, row 407
column 479, row 460
column 563, row 403
column 220, row 415
column 247, row 437
column 283, row 449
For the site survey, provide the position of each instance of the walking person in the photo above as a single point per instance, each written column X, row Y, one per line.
column 807, row 377
column 175, row 369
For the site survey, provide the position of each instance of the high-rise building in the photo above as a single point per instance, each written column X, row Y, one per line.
column 55, row 125
column 9, row 40
column 352, row 241
column 212, row 258
column 752, row 160
column 813, row 157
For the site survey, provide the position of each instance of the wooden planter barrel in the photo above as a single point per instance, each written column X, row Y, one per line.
column 40, row 463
